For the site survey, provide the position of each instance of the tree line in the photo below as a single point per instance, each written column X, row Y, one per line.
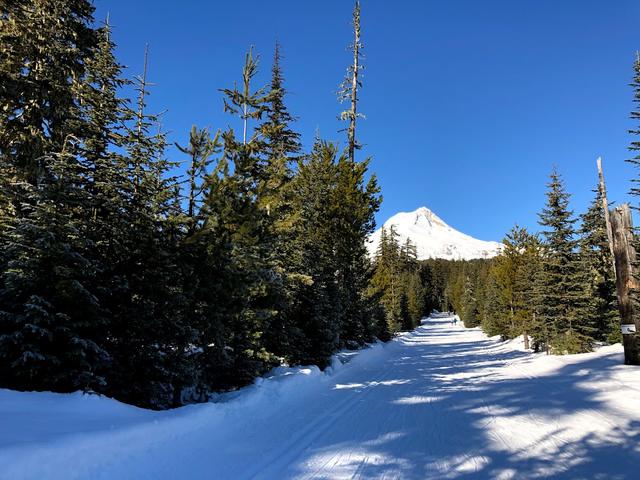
column 556, row 287
column 121, row 277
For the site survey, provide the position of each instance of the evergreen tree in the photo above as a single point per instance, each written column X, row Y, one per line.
column 635, row 115
column 281, row 149
column 282, row 142
column 52, row 324
column 514, row 272
column 386, row 278
column 39, row 77
column 356, row 202
column 526, row 318
column 315, row 313
column 469, row 305
column 562, row 284
column 150, row 360
column 251, row 281
column 415, row 297
column 494, row 321
column 200, row 148
column 335, row 307
column 596, row 258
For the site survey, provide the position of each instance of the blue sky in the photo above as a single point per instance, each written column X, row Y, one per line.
column 468, row 103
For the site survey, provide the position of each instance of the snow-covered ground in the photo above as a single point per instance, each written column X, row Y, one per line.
column 440, row 402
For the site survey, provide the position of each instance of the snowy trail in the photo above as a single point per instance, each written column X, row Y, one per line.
column 439, row 402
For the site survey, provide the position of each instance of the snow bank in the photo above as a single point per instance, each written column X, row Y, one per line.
column 42, row 417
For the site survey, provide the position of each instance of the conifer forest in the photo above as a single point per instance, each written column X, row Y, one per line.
column 168, row 268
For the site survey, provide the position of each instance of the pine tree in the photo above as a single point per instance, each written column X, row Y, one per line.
column 469, row 304
column 52, row 324
column 200, row 148
column 356, row 202
column 282, row 146
column 596, row 258
column 562, row 284
column 39, row 76
column 235, row 213
column 315, row 313
column 514, row 272
column 635, row 115
column 150, row 360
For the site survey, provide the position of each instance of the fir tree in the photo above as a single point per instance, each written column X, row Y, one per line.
column 282, row 142
column 386, row 279
column 150, row 362
column 356, row 201
column 282, row 146
column 514, row 272
column 635, row 115
column 562, row 283
column 315, row 313
column 39, row 77
column 596, row 258
column 469, row 305
column 236, row 214
column 51, row 325
column 200, row 148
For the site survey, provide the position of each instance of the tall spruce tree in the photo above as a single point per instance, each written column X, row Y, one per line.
column 356, row 200
column 315, row 313
column 469, row 302
column 236, row 214
column 386, row 279
column 39, row 78
column 150, row 362
column 282, row 146
column 52, row 324
column 562, row 284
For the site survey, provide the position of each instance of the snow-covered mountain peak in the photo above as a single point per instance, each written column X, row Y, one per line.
column 434, row 238
column 425, row 217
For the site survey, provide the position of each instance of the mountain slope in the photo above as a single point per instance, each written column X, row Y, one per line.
column 434, row 238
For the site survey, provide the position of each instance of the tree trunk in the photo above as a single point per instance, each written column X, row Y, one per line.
column 605, row 206
column 354, row 83
column 626, row 282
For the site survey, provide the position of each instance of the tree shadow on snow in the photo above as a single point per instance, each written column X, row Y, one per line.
column 468, row 422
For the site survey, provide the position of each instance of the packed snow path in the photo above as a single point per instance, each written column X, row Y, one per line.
column 439, row 402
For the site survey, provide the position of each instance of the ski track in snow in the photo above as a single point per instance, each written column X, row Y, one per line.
column 441, row 402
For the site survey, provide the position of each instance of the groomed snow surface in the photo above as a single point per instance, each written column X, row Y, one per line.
column 441, row 402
